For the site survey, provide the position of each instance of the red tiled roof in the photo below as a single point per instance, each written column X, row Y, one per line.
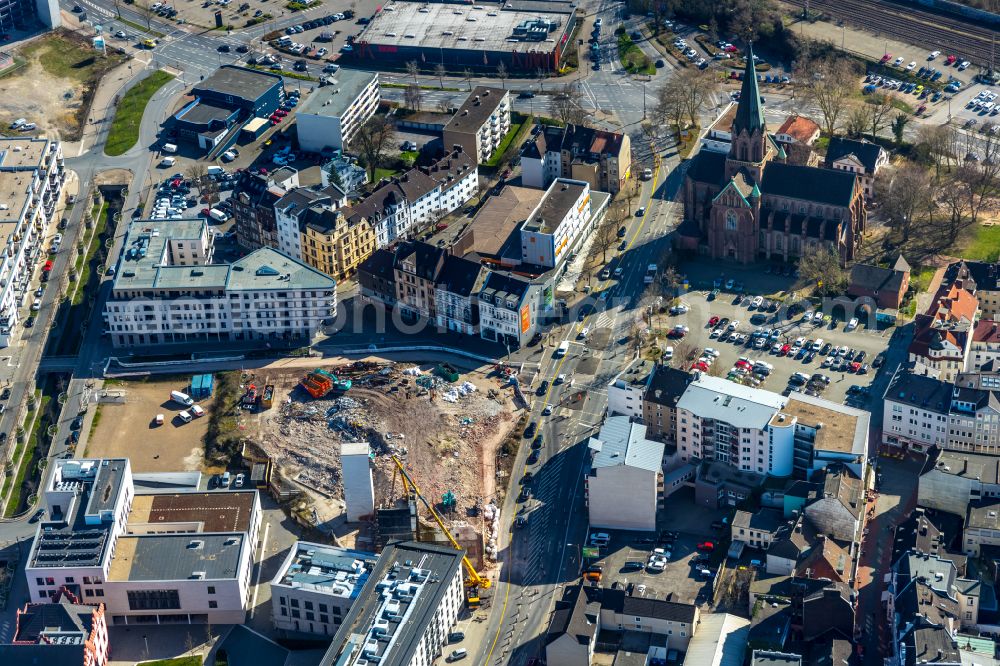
column 801, row 129
column 986, row 331
column 955, row 305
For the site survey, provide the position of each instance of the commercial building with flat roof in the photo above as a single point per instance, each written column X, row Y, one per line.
column 480, row 124
column 329, row 117
column 167, row 290
column 32, row 174
column 164, row 558
column 316, row 586
column 231, row 96
column 404, row 611
column 475, row 36
column 552, row 230
column 624, row 485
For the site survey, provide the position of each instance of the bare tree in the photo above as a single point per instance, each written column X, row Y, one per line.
column 440, row 71
column 372, row 140
column 903, row 194
column 468, row 77
column 208, row 188
column 413, row 97
column 605, row 236
column 829, row 83
column 670, row 106
column 980, row 172
column 955, row 197
column 939, row 142
column 699, row 86
column 502, row 73
column 146, row 12
column 857, row 121
column 567, row 105
column 413, row 69
column 684, row 353
column 822, row 267
column 878, row 107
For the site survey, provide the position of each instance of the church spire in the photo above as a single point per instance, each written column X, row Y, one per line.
column 749, row 113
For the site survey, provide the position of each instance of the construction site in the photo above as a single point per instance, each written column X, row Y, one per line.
column 443, row 427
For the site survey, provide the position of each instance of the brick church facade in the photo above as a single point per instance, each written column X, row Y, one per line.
column 749, row 205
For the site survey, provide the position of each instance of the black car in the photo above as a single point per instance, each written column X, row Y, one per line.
column 223, row 48
column 29, row 322
column 879, row 360
column 5, row 394
column 543, row 387
column 621, row 232
column 299, row 66
column 826, row 349
column 63, row 223
column 660, row 64
column 536, row 443
column 533, row 457
column 622, row 246
column 242, row 48
column 860, row 356
column 37, row 516
column 529, row 432
column 77, row 423
column 525, row 494
column 526, row 94
column 633, row 565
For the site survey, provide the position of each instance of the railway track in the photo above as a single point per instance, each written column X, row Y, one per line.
column 911, row 24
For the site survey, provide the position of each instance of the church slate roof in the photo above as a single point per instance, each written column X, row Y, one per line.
column 708, row 167
column 825, row 186
column 749, row 113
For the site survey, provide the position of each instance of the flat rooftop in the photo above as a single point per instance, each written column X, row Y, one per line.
column 463, row 27
column 15, row 192
column 500, row 217
column 477, row 109
column 334, row 99
column 334, row 571
column 22, row 154
column 238, row 82
column 845, row 429
column 205, row 112
column 176, row 557
column 556, row 204
column 214, row 512
column 395, row 606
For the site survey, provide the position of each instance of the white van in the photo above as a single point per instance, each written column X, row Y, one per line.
column 562, row 349
column 168, row 148
column 168, row 161
column 197, row 411
column 184, row 416
column 215, row 170
column 218, row 215
column 181, row 398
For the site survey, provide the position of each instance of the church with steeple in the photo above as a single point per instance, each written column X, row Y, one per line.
column 750, row 205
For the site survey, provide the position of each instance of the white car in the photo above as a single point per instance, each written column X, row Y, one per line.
column 734, row 324
column 913, row 65
column 714, row 353
column 757, row 302
column 229, row 156
column 933, row 54
column 37, row 305
column 799, row 342
column 963, row 66
column 898, row 61
column 851, row 325
column 668, row 352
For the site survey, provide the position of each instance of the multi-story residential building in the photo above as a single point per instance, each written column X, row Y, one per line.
column 163, row 558
column 602, row 159
column 797, row 136
column 551, row 231
column 331, row 115
column 167, row 290
column 837, row 510
column 292, row 211
column 420, row 196
column 624, row 484
column 64, row 632
column 455, row 305
column 377, row 278
column 927, row 604
column 32, row 174
column 336, row 241
column 974, row 416
column 984, row 352
column 762, row 432
column 316, row 586
column 982, row 278
column 15, row 14
column 916, row 411
column 480, row 124
column 943, row 336
column 405, row 609
column 951, row 480
column 508, row 310
column 982, row 525
column 659, row 402
column 863, row 158
column 253, row 202
column 626, row 390
column 417, row 268
column 757, row 530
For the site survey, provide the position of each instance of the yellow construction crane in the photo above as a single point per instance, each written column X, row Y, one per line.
column 473, row 581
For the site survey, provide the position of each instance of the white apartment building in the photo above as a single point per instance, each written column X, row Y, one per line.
column 624, row 485
column 550, row 232
column 31, row 179
column 330, row 116
column 151, row 559
column 404, row 611
column 480, row 124
column 263, row 296
column 420, row 196
column 626, row 391
column 758, row 431
column 316, row 586
column 508, row 310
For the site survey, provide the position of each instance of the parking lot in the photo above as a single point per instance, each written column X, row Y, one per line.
column 782, row 348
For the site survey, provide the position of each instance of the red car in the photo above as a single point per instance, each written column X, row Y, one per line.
column 673, row 333
column 204, row 212
column 47, row 267
column 713, row 321
column 886, row 58
column 175, row 183
column 731, row 49
column 281, row 113
column 700, row 366
column 950, row 60
column 855, row 366
column 742, row 364
column 708, row 546
column 785, row 349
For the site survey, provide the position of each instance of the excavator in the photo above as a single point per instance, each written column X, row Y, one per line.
column 473, row 581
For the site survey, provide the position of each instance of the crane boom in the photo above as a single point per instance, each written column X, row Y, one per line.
column 475, row 580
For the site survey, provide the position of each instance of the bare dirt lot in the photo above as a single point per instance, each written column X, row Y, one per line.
column 449, row 443
column 129, row 431
column 54, row 86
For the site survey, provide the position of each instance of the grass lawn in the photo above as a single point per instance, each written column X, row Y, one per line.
column 632, row 57
column 985, row 245
column 27, row 454
column 125, row 127
column 84, row 261
column 69, row 58
column 179, row 661
column 920, row 278
column 519, row 124
column 409, row 156
column 384, row 173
